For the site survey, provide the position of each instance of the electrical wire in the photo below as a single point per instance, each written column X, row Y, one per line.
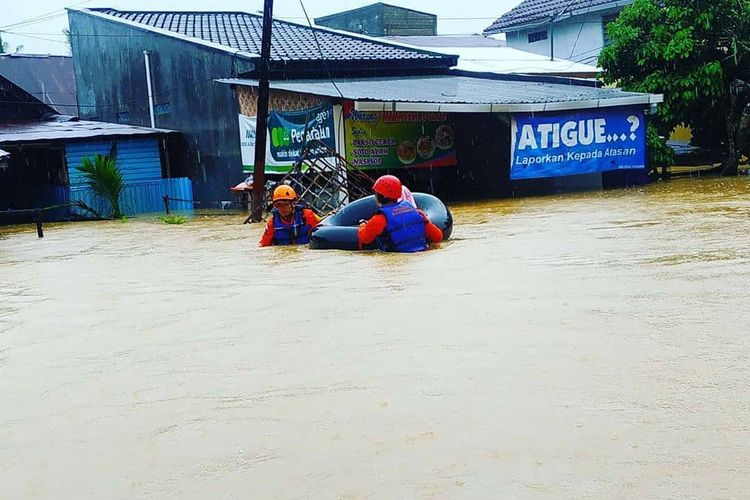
column 128, row 101
column 580, row 30
column 320, row 50
column 42, row 17
column 24, row 35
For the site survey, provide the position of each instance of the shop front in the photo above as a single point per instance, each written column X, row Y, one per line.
column 461, row 137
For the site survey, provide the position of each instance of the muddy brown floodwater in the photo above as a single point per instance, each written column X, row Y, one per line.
column 585, row 346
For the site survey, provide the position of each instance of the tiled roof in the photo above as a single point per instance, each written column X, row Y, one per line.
column 541, row 10
column 290, row 41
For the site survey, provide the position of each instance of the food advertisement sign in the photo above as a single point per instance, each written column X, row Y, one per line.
column 396, row 139
column 585, row 142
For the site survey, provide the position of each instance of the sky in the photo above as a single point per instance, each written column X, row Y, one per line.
column 42, row 34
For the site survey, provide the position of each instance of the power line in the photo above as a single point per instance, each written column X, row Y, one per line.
column 320, row 51
column 23, row 35
column 151, row 35
column 42, row 17
column 32, row 21
column 122, row 103
column 580, row 30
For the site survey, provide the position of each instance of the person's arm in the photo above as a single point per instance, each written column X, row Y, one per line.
column 371, row 229
column 267, row 239
column 311, row 218
column 433, row 233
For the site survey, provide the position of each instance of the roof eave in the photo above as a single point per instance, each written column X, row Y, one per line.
column 644, row 99
column 337, row 67
column 544, row 20
column 171, row 34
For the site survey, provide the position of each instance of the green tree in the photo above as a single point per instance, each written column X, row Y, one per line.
column 68, row 40
column 696, row 53
column 104, row 178
column 5, row 46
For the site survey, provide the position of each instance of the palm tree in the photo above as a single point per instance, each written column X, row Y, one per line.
column 104, row 178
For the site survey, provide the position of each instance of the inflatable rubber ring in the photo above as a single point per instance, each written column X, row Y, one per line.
column 339, row 231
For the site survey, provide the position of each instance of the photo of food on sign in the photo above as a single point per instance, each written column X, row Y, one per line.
column 425, row 146
column 444, row 136
column 398, row 139
column 406, row 152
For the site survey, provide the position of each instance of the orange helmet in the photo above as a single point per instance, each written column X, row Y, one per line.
column 284, row 193
column 388, row 186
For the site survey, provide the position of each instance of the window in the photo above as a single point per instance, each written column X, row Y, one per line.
column 163, row 109
column 123, row 117
column 605, row 22
column 537, row 36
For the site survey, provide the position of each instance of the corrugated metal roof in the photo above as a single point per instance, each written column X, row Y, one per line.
column 50, row 79
column 529, row 11
column 289, row 42
column 461, row 93
column 60, row 129
column 483, row 54
column 449, row 41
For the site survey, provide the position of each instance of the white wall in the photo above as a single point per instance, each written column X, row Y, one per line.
column 577, row 39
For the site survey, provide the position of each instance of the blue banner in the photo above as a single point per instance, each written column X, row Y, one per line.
column 588, row 141
column 289, row 131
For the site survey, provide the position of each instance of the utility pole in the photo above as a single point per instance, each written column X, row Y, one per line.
column 261, row 125
column 552, row 38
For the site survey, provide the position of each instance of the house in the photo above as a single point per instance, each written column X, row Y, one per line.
column 50, row 78
column 481, row 54
column 45, row 148
column 381, row 19
column 566, row 29
column 384, row 106
column 185, row 52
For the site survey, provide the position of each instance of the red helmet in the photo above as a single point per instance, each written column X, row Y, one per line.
column 388, row 186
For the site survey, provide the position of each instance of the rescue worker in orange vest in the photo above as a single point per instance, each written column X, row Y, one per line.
column 397, row 226
column 290, row 223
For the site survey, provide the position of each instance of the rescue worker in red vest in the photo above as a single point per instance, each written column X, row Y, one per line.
column 397, row 226
column 290, row 223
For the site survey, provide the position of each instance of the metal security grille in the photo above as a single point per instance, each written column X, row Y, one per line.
column 325, row 181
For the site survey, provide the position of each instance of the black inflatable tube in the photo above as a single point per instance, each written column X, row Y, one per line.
column 339, row 231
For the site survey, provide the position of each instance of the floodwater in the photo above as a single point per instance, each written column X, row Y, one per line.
column 586, row 346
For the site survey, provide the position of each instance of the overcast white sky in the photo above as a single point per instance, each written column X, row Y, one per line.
column 45, row 37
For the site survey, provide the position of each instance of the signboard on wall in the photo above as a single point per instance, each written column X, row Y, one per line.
column 288, row 132
column 584, row 142
column 394, row 139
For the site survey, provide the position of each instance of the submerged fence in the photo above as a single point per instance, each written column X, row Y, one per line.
column 142, row 197
column 35, row 215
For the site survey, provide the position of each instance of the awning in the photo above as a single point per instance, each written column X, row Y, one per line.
column 460, row 94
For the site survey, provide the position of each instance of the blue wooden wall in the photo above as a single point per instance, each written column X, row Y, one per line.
column 140, row 164
column 138, row 159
